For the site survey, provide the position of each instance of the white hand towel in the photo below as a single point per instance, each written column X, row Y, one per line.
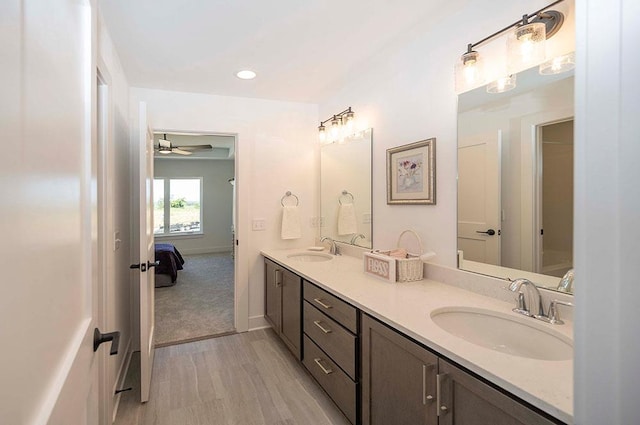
column 347, row 223
column 291, row 223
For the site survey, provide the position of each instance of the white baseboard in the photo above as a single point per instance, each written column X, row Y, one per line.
column 209, row 250
column 122, row 375
column 258, row 322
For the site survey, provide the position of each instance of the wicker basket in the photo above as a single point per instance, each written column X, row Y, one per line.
column 408, row 269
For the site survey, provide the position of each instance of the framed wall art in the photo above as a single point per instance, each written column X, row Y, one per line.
column 411, row 173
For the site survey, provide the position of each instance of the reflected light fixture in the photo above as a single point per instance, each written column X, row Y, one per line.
column 525, row 47
column 342, row 127
column 502, row 85
column 558, row 64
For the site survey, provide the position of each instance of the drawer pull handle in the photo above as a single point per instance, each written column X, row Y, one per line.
column 325, row 370
column 318, row 323
column 319, row 301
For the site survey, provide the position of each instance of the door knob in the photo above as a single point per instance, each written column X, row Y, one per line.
column 141, row 266
column 154, row 264
column 489, row 232
column 99, row 338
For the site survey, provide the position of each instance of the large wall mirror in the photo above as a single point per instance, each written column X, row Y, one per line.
column 345, row 190
column 515, row 179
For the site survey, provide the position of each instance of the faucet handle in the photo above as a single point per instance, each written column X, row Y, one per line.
column 554, row 315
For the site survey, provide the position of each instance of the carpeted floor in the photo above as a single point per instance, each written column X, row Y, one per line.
column 200, row 304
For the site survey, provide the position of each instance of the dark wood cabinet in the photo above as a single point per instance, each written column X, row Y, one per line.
column 398, row 378
column 273, row 294
column 283, row 305
column 404, row 383
column 330, row 328
column 468, row 400
column 375, row 374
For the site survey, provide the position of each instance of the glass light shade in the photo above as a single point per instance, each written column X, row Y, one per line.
column 335, row 129
column 526, row 46
column 469, row 72
column 558, row 64
column 322, row 133
column 502, row 85
column 348, row 125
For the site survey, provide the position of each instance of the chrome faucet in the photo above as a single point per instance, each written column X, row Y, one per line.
column 333, row 248
column 566, row 283
column 356, row 237
column 533, row 301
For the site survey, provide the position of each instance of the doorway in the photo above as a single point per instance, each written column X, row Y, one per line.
column 194, row 216
column 555, row 198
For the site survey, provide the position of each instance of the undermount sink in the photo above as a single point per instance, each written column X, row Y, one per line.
column 501, row 332
column 313, row 257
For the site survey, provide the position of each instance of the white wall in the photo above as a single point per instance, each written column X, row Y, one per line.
column 607, row 199
column 216, row 203
column 276, row 150
column 410, row 96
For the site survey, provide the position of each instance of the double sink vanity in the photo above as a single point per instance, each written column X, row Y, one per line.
column 424, row 352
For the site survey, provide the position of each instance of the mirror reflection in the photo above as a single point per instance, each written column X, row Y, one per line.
column 515, row 180
column 345, row 190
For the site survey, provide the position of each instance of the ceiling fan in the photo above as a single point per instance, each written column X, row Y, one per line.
column 166, row 147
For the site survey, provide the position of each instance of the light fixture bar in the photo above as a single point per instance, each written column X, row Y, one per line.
column 524, row 19
column 336, row 129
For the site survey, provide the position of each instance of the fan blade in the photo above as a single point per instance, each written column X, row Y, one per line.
column 180, row 151
column 195, row 147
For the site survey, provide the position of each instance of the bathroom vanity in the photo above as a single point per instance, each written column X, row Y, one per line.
column 381, row 353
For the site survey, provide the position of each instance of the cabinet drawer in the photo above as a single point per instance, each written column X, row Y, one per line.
column 332, row 306
column 331, row 378
column 333, row 339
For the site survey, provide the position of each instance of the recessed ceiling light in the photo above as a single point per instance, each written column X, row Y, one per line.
column 246, row 75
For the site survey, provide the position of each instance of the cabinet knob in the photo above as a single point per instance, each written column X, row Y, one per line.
column 429, row 397
column 444, row 408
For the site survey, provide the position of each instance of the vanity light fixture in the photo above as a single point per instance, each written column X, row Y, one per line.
column 525, row 47
column 342, row 127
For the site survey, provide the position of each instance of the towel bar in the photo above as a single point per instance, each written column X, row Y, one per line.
column 346, row 193
column 286, row 195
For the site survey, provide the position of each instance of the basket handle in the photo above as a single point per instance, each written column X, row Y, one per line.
column 417, row 238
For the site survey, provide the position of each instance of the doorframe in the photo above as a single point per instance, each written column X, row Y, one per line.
column 104, row 127
column 538, row 224
column 240, row 273
column 529, row 215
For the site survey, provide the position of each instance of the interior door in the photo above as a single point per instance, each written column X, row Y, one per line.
column 479, row 210
column 147, row 255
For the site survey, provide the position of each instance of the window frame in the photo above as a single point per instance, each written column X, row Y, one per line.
column 166, row 231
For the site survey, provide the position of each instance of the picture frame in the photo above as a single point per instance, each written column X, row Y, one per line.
column 411, row 173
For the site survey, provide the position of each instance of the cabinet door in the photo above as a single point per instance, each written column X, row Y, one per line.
column 398, row 378
column 469, row 401
column 273, row 297
column 291, row 329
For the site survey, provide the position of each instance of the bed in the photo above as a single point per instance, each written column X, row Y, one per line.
column 170, row 261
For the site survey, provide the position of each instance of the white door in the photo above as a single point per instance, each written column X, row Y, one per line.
column 147, row 255
column 479, row 209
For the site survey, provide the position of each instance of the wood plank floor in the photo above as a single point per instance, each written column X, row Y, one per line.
column 242, row 379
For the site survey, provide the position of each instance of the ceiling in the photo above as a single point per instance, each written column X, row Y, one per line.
column 300, row 49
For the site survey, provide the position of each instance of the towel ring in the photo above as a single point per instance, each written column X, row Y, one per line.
column 345, row 193
column 286, row 195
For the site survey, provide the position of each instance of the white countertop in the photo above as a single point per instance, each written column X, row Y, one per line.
column 548, row 385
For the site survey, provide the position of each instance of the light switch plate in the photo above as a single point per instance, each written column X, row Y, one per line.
column 259, row 224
